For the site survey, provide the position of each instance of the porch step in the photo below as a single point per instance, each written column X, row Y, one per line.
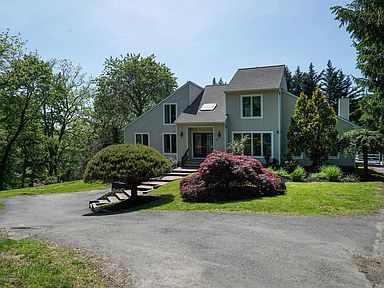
column 185, row 170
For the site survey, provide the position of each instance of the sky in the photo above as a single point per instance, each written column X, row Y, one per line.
column 196, row 39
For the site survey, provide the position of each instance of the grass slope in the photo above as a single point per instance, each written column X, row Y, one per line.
column 31, row 263
column 65, row 187
column 314, row 198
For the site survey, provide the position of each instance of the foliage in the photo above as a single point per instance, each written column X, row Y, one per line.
column 236, row 146
column 313, row 128
column 299, row 174
column 372, row 112
column 364, row 20
column 32, row 263
column 291, row 165
column 280, row 171
column 311, row 80
column 128, row 163
column 127, row 87
column 297, row 82
column 331, row 173
column 362, row 141
column 224, row 176
column 351, row 178
column 316, row 198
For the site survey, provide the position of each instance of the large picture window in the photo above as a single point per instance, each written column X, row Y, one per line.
column 169, row 144
column 142, row 138
column 251, row 106
column 169, row 113
column 257, row 144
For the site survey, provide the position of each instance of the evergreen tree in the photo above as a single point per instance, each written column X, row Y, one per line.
column 214, row 81
column 297, row 82
column 311, row 80
column 313, row 128
column 221, row 82
column 288, row 76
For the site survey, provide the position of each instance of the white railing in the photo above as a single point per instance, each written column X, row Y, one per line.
column 373, row 158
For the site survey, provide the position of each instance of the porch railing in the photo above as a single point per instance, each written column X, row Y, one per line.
column 185, row 157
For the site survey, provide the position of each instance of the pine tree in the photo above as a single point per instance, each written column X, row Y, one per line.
column 288, row 76
column 313, row 128
column 311, row 80
column 221, row 82
column 214, row 81
column 297, row 82
column 331, row 84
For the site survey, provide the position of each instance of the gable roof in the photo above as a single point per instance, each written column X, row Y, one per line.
column 211, row 94
column 256, row 78
column 161, row 102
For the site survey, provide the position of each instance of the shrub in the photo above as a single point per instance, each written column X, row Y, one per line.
column 223, row 176
column 280, row 172
column 298, row 175
column 291, row 165
column 126, row 163
column 351, row 178
column 331, row 173
column 316, row 176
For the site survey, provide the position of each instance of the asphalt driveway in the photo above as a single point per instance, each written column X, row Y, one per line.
column 181, row 249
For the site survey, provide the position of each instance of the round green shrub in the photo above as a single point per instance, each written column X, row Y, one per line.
column 298, row 175
column 128, row 163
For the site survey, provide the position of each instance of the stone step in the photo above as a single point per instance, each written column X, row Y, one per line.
column 183, row 174
column 154, row 184
column 121, row 196
column 144, row 187
column 113, row 199
column 185, row 170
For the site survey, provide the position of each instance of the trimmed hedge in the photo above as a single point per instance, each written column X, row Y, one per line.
column 223, row 176
column 128, row 163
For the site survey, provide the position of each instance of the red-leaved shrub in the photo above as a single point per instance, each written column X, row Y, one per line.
column 223, row 176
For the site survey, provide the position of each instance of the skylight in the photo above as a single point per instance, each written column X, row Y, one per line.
column 208, row 107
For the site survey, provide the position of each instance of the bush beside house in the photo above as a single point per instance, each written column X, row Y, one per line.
column 223, row 176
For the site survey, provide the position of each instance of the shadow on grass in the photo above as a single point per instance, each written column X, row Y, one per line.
column 370, row 177
column 132, row 205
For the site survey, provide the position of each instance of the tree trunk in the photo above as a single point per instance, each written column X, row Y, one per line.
column 134, row 192
column 365, row 160
column 2, row 175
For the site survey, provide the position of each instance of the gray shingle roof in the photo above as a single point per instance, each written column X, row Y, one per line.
column 257, row 78
column 211, row 94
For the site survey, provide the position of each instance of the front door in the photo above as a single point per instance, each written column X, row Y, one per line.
column 202, row 144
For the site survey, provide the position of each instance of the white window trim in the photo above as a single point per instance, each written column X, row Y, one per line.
column 261, row 106
column 164, row 104
column 162, row 141
column 141, row 133
column 259, row 132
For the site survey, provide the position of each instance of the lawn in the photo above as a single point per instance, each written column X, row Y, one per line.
column 31, row 263
column 65, row 187
column 314, row 198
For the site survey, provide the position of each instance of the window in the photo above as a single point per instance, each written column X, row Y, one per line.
column 169, row 113
column 257, row 144
column 142, row 138
column 169, row 144
column 251, row 106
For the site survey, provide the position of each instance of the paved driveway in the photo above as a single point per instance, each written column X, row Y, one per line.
column 180, row 249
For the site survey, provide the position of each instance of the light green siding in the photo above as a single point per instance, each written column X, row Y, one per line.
column 152, row 121
column 267, row 123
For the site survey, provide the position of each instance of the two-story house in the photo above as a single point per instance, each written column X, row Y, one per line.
column 194, row 120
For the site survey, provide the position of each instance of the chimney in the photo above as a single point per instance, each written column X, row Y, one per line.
column 343, row 108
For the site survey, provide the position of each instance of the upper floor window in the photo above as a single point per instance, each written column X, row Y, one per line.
column 251, row 106
column 142, row 138
column 169, row 113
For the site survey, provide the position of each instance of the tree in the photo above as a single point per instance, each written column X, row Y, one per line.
column 364, row 20
column 362, row 141
column 127, row 87
column 288, row 76
column 313, row 128
column 65, row 99
column 297, row 82
column 221, row 82
column 214, row 81
column 21, row 95
column 311, row 80
column 128, row 163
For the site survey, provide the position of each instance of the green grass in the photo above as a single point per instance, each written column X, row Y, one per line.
column 314, row 198
column 65, row 187
column 31, row 263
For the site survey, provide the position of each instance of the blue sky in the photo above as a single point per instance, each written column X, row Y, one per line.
column 198, row 39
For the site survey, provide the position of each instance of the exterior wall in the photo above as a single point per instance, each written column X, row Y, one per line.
column 152, row 121
column 185, row 142
column 268, row 122
column 288, row 102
